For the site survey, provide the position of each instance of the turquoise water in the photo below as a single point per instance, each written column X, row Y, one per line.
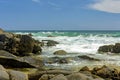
column 78, row 43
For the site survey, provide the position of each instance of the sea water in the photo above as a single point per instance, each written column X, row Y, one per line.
column 77, row 43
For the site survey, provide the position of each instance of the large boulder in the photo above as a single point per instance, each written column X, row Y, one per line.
column 106, row 48
column 19, row 45
column 3, row 74
column 106, row 72
column 10, row 60
column 17, row 75
column 60, row 52
column 26, row 45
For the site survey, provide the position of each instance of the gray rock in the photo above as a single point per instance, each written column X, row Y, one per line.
column 3, row 74
column 10, row 60
column 59, row 77
column 17, row 75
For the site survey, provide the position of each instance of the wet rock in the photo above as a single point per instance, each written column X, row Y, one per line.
column 106, row 48
column 37, row 48
column 3, row 74
column 58, row 60
column 50, row 42
column 116, row 48
column 50, row 36
column 59, row 77
column 60, row 52
column 17, row 75
column 85, row 69
column 106, row 72
column 26, row 45
column 9, row 60
column 88, row 58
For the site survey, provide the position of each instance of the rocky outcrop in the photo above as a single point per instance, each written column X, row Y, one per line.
column 110, row 48
column 10, row 60
column 60, row 52
column 106, row 48
column 106, row 73
column 20, row 45
column 12, row 74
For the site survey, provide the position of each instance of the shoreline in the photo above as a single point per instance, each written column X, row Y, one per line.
column 18, row 54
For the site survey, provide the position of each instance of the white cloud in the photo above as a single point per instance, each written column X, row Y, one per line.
column 111, row 6
column 37, row 1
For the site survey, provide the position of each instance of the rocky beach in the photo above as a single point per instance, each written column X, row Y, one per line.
column 27, row 56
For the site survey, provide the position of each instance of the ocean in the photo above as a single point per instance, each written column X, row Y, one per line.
column 77, row 43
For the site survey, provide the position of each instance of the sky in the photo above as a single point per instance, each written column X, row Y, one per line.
column 60, row 14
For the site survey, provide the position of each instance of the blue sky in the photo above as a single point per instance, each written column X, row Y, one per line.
column 60, row 14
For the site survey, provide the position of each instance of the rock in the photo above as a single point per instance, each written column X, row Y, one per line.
column 85, row 69
column 1, row 31
column 63, row 61
column 36, row 76
column 81, row 76
column 77, row 76
column 17, row 75
column 26, row 45
column 116, row 48
column 88, row 58
column 3, row 74
column 9, row 60
column 33, row 61
column 1, row 45
column 50, row 42
column 59, row 77
column 106, row 48
column 37, row 49
column 106, row 72
column 50, row 36
column 60, row 52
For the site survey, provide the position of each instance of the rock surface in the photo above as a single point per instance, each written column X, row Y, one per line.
column 59, row 77
column 16, row 75
column 3, row 74
column 60, row 52
column 20, row 45
column 10, row 60
column 110, row 48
